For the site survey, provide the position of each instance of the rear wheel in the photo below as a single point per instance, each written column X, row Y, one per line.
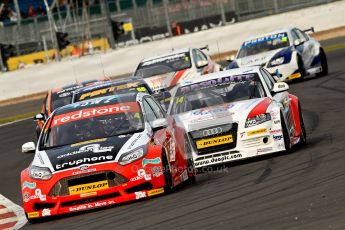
column 324, row 64
column 167, row 174
column 301, row 68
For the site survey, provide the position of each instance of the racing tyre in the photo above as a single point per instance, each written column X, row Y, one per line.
column 324, row 64
column 168, row 188
column 286, row 136
column 303, row 130
column 191, row 172
column 301, row 68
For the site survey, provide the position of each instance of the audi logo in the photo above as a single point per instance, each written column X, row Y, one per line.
column 213, row 131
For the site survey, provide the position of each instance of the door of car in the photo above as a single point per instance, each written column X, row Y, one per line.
column 305, row 48
column 282, row 99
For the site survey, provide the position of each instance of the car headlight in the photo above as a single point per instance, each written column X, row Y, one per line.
column 40, row 173
column 277, row 61
column 258, row 119
column 132, row 156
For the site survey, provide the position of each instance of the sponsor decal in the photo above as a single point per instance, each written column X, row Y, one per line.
column 184, row 175
column 164, row 59
column 33, row 215
column 141, row 174
column 154, row 192
column 95, row 148
column 277, row 137
column 212, row 131
column 294, row 76
column 157, row 171
column 94, row 112
column 86, row 188
column 108, row 90
column 281, row 36
column 154, row 161
column 213, row 82
column 208, row 111
column 276, row 131
column 89, row 142
column 242, row 134
column 40, row 158
column 105, row 100
column 140, row 195
column 256, row 132
column 38, row 195
column 30, row 185
column 134, row 141
column 263, row 150
column 277, row 122
column 46, row 212
column 205, row 143
column 84, row 169
column 69, row 89
column 65, row 94
column 92, row 205
column 88, row 194
column 84, row 160
column 217, row 160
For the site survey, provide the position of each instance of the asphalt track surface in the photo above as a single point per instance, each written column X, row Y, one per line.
column 301, row 190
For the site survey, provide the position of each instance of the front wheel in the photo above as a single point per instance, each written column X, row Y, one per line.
column 301, row 68
column 168, row 188
column 303, row 135
column 324, row 64
column 287, row 141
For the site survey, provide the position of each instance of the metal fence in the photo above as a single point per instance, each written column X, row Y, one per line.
column 82, row 24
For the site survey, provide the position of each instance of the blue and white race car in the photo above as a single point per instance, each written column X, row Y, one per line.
column 287, row 54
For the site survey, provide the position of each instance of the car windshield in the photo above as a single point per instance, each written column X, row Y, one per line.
column 263, row 44
column 112, row 90
column 93, row 123
column 216, row 92
column 59, row 100
column 163, row 65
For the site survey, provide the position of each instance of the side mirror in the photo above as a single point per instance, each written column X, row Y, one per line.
column 28, row 147
column 201, row 63
column 40, row 117
column 298, row 42
column 280, row 87
column 159, row 124
column 230, row 58
column 163, row 98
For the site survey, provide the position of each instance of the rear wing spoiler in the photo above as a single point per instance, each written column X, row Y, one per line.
column 204, row 48
column 311, row 29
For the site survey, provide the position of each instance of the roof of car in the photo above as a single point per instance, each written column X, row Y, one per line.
column 127, row 97
column 226, row 73
column 282, row 30
column 74, row 86
column 172, row 52
column 110, row 83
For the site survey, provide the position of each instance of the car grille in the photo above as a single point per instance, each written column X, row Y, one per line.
column 61, row 187
column 231, row 130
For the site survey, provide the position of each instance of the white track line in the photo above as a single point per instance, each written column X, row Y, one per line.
column 12, row 207
column 12, row 122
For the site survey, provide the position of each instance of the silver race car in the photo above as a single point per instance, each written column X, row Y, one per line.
column 236, row 114
column 287, row 54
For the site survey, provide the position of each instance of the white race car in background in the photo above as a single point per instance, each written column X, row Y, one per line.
column 166, row 71
column 287, row 54
column 236, row 114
